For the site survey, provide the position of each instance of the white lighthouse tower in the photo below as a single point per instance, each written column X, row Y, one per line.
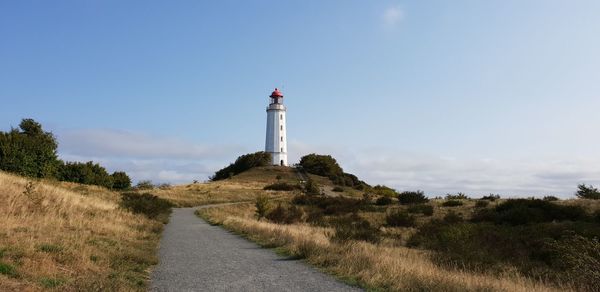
column 276, row 143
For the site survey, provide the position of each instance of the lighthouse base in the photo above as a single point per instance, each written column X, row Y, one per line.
column 279, row 158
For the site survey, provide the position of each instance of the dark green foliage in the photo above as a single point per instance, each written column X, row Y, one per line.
column 282, row 215
column 578, row 258
column 418, row 197
column 526, row 211
column 144, row 185
column 330, row 205
column 382, row 190
column 452, row 203
column 337, row 189
column 29, row 151
column 243, row 163
column 281, row 186
column 121, row 180
column 550, row 198
column 147, row 204
column 424, row 209
column 452, row 218
column 491, row 197
column 262, row 206
column 88, row 173
column 354, row 228
column 7, row 269
column 459, row 196
column 325, row 165
column 481, row 203
column 382, row 201
column 587, row 192
column 311, row 188
column 400, row 219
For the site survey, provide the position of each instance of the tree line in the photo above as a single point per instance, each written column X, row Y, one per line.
column 30, row 151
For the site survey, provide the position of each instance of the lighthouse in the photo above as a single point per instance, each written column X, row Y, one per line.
column 276, row 142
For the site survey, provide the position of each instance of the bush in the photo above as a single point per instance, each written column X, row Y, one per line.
column 283, row 215
column 452, row 203
column 29, row 151
column 121, row 180
column 481, row 204
column 8, row 270
column 262, row 206
column 526, row 211
column 243, row 163
column 330, row 205
column 579, row 258
column 325, row 165
column 400, row 218
column 337, row 189
column 550, row 198
column 459, row 196
column 417, row 197
column 426, row 210
column 382, row 201
column 384, row 191
column 587, row 192
column 354, row 228
column 281, row 186
column 144, row 185
column 88, row 173
column 491, row 197
column 147, row 204
column 311, row 188
column 452, row 218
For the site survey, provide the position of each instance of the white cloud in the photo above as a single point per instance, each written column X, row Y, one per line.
column 392, row 15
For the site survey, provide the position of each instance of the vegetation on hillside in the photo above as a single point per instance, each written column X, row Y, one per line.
column 327, row 166
column 243, row 163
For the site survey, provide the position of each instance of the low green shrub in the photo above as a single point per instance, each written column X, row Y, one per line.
column 418, row 197
column 459, row 196
column 147, row 204
column 330, row 205
column 526, row 211
column 354, row 228
column 8, row 270
column 144, row 185
column 282, row 186
column 452, row 203
column 382, row 201
column 283, row 215
column 424, row 209
column 51, row 282
column 579, row 258
column 400, row 219
column 262, row 206
column 550, row 198
column 453, row 218
column 481, row 204
column 491, row 197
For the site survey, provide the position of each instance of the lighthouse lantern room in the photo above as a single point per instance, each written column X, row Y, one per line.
column 276, row 142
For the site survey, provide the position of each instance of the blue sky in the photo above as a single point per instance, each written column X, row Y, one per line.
column 444, row 96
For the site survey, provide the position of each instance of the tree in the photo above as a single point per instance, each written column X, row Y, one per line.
column 587, row 192
column 88, row 173
column 29, row 151
column 121, row 180
column 243, row 163
column 325, row 165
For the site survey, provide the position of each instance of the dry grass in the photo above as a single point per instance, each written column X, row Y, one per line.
column 373, row 266
column 71, row 237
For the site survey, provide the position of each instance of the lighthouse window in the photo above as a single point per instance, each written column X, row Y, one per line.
column 281, row 128
column 281, row 149
column 281, row 117
column 281, row 139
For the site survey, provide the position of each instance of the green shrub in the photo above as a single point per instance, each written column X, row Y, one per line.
column 481, row 204
column 382, row 201
column 50, row 248
column 579, row 258
column 453, row 218
column 8, row 270
column 144, row 185
column 400, row 218
column 525, row 211
column 262, row 206
column 147, row 204
column 550, row 198
column 330, row 205
column 587, row 192
column 384, row 191
column 491, row 197
column 311, row 188
column 452, row 203
column 354, row 228
column 121, row 180
column 325, row 165
column 418, row 197
column 337, row 189
column 282, row 215
column 88, row 173
column 459, row 196
column 243, row 163
column 281, row 186
column 424, row 209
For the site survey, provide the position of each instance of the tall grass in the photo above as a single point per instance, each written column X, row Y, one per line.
column 71, row 237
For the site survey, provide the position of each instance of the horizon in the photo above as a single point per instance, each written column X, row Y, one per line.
column 497, row 97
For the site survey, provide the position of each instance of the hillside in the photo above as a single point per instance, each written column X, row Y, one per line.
column 72, row 237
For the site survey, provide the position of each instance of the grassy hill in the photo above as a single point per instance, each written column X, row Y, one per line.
column 71, row 237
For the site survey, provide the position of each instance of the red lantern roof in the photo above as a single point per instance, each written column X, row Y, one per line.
column 276, row 94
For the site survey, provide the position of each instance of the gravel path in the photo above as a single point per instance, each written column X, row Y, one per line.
column 195, row 256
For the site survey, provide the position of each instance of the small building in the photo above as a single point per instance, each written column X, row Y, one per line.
column 276, row 142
